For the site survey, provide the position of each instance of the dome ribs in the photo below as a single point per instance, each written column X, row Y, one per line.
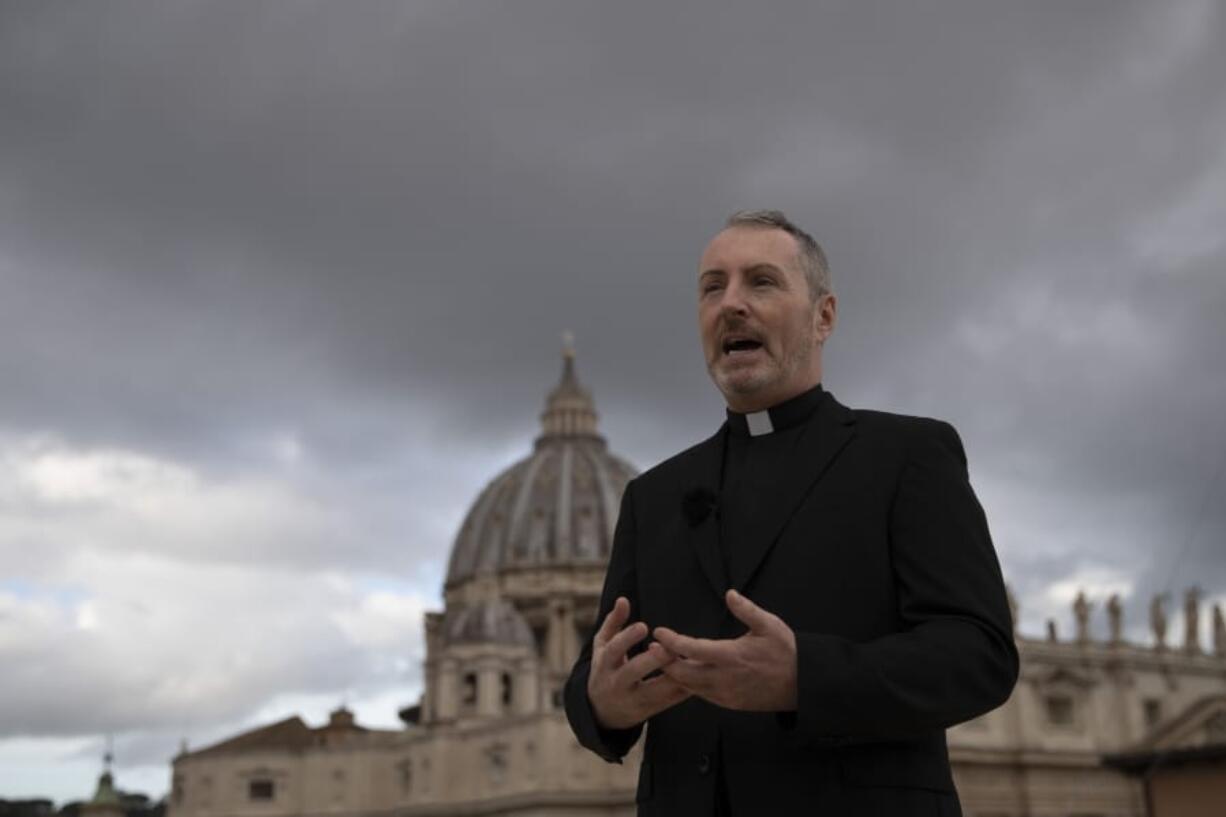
column 555, row 508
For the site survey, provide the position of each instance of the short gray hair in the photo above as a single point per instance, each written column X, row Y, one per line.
column 811, row 256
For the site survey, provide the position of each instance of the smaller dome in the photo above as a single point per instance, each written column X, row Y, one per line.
column 341, row 718
column 493, row 621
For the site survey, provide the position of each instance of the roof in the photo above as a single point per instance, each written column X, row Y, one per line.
column 288, row 735
column 291, row 734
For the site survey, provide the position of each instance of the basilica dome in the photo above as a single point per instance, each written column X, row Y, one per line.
column 556, row 507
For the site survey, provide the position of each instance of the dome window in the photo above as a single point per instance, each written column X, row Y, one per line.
column 468, row 695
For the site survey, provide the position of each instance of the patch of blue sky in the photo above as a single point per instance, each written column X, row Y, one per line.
column 62, row 595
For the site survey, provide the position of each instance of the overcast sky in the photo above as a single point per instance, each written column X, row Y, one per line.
column 282, row 287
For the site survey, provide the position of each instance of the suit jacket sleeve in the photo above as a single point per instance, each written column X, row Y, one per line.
column 620, row 580
column 954, row 656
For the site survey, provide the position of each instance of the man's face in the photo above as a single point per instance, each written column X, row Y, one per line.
column 761, row 333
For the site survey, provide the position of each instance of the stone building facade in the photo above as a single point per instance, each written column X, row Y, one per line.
column 1042, row 752
column 489, row 736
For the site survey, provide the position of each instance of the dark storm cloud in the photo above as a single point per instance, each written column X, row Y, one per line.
column 401, row 196
column 363, row 228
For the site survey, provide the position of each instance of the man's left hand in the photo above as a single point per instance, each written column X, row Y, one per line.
column 754, row 673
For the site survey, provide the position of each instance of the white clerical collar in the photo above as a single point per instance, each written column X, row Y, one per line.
column 789, row 413
column 759, row 423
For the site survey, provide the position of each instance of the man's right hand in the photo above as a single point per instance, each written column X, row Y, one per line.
column 621, row 697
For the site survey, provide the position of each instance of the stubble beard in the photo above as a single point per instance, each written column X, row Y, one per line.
column 740, row 381
column 762, row 377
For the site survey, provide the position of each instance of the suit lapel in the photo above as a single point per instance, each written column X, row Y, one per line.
column 782, row 490
column 698, row 486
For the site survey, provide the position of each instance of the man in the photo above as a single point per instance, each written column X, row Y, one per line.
column 799, row 606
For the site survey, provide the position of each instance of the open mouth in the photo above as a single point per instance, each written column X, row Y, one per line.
column 738, row 345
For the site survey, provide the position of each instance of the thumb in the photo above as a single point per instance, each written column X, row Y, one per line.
column 748, row 613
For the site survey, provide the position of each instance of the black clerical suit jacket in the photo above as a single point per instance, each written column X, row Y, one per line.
column 872, row 547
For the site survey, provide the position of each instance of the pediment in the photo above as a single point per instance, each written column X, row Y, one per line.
column 1201, row 724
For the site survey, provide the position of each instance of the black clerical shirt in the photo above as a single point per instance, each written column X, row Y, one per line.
column 755, row 444
column 751, row 451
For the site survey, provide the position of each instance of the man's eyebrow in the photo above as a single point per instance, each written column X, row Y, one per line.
column 761, row 266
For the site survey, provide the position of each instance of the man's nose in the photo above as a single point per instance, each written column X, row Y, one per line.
column 733, row 301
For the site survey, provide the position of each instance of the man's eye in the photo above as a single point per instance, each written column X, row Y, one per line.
column 764, row 281
column 708, row 288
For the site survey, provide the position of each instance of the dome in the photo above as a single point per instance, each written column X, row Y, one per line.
column 554, row 508
column 490, row 621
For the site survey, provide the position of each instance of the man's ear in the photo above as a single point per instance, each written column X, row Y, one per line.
column 825, row 316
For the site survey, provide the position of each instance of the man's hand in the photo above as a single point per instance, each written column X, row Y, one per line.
column 620, row 696
column 755, row 673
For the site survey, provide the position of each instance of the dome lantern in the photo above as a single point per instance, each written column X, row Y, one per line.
column 569, row 409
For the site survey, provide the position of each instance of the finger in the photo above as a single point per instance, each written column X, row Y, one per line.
column 703, row 649
column 698, row 678
column 748, row 613
column 702, row 680
column 661, row 692
column 617, row 646
column 613, row 622
column 660, row 686
column 667, row 656
column 652, row 659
